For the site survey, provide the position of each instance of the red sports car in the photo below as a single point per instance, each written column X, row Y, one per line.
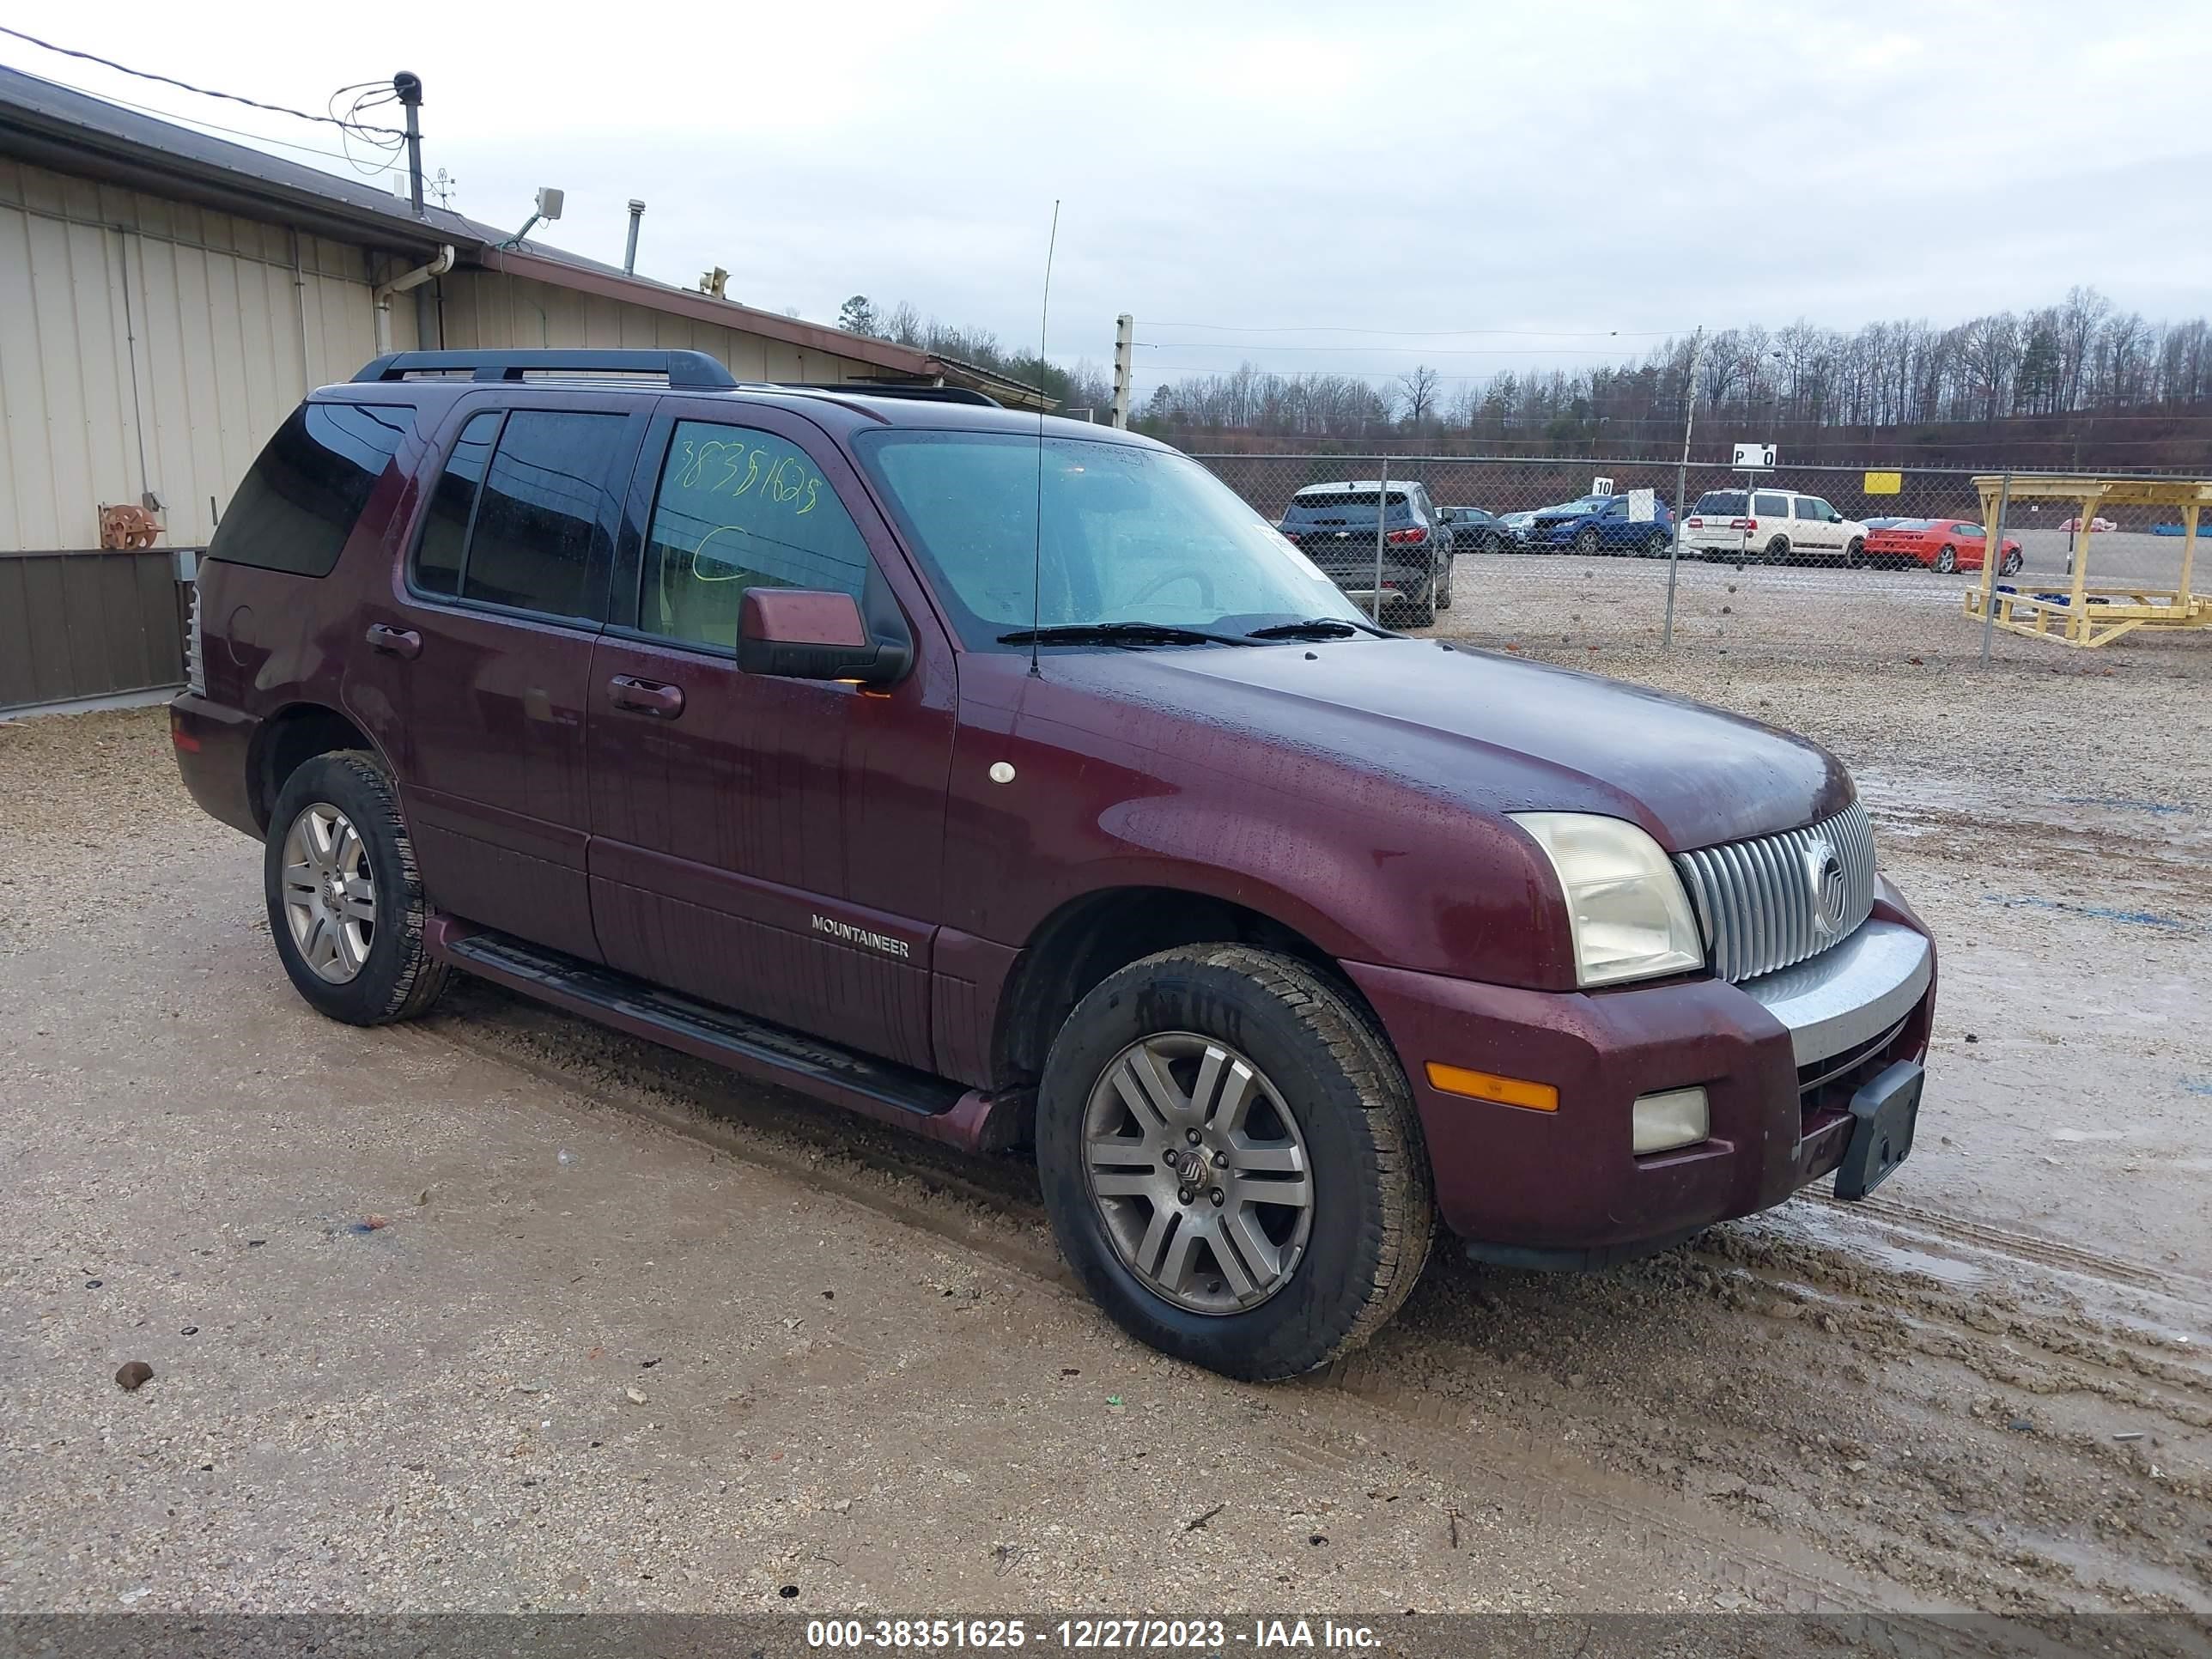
column 1944, row 544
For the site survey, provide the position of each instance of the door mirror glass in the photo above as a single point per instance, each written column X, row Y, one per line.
column 806, row 633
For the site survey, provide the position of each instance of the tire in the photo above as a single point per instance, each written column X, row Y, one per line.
column 1323, row 1082
column 1444, row 587
column 1657, row 546
column 1422, row 612
column 1493, row 543
column 1947, row 562
column 2010, row 563
column 1586, row 540
column 1778, row 551
column 1855, row 556
column 374, row 968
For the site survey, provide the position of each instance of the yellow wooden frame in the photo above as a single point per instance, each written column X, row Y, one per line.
column 2090, row 616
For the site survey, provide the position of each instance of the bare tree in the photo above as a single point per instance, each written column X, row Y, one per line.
column 1419, row 387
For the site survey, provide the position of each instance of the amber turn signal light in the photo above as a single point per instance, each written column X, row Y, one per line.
column 1488, row 1085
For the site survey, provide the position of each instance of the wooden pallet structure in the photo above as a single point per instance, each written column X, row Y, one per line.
column 2085, row 615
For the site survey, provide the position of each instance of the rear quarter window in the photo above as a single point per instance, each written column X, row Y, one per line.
column 302, row 497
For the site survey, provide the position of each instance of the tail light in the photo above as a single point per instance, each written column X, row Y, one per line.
column 1408, row 538
column 195, row 647
column 1743, row 524
column 1697, row 523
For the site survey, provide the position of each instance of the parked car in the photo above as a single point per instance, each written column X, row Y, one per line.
column 2073, row 525
column 1942, row 544
column 1016, row 783
column 1514, row 528
column 1601, row 524
column 1476, row 531
column 1334, row 525
column 1771, row 527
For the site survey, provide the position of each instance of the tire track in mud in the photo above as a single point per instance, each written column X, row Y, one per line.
column 1842, row 1401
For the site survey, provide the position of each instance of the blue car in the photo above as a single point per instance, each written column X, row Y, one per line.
column 1601, row 523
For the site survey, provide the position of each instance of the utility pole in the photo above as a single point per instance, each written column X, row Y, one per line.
column 1682, row 477
column 1125, row 329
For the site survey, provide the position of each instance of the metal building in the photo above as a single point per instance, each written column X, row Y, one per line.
column 166, row 297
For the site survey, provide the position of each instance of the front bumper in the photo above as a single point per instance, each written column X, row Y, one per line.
column 1779, row 1057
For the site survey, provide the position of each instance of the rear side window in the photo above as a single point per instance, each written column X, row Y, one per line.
column 514, row 520
column 295, row 509
column 1774, row 506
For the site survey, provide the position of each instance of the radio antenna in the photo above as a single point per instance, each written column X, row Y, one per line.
column 1036, row 546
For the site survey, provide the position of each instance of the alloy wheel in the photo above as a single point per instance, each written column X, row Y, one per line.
column 330, row 896
column 1199, row 1173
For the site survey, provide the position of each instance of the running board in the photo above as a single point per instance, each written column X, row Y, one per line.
column 880, row 1088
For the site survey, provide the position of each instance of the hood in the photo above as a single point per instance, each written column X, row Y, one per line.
column 1491, row 731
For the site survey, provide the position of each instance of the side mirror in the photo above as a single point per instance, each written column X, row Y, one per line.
column 1835, row 518
column 798, row 633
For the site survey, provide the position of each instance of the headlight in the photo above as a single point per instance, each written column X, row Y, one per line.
column 1630, row 916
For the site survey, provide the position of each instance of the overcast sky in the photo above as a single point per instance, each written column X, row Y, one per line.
column 1521, row 180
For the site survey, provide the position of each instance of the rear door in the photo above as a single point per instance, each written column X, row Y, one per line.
column 487, row 648
column 772, row 845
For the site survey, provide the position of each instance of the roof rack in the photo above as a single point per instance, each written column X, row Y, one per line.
column 935, row 394
column 687, row 369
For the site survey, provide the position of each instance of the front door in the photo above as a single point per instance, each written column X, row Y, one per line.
column 488, row 641
column 771, row 845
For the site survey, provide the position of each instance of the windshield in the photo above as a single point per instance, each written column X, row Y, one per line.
column 1720, row 501
column 1128, row 534
column 1587, row 504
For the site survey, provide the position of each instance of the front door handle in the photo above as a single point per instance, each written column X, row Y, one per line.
column 395, row 641
column 646, row 696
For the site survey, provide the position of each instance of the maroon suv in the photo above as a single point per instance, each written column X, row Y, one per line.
column 1010, row 779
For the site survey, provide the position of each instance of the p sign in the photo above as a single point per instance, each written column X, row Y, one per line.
column 1754, row 458
column 1601, row 486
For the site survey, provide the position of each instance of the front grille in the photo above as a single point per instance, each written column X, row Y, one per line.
column 1755, row 899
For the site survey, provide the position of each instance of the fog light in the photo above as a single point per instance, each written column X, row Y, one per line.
column 1661, row 1122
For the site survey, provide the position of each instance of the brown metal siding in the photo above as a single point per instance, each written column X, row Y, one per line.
column 89, row 625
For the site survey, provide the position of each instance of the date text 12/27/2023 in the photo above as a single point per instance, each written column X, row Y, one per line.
column 1131, row 1635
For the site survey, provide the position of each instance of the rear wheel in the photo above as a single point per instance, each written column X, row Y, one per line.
column 1777, row 550
column 1947, row 562
column 1657, row 547
column 1445, row 585
column 1231, row 1163
column 345, row 904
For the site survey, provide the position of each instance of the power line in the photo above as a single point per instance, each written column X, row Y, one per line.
column 212, row 126
column 204, row 91
column 1437, row 333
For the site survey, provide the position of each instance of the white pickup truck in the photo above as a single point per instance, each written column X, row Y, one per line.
column 1771, row 527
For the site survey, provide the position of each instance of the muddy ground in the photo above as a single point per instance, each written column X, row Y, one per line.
column 399, row 1288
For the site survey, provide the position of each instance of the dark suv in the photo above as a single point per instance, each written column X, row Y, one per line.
column 1334, row 525
column 1015, row 782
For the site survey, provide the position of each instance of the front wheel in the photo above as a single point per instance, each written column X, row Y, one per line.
column 1586, row 540
column 1947, row 562
column 2010, row 566
column 1855, row 556
column 345, row 903
column 1232, row 1161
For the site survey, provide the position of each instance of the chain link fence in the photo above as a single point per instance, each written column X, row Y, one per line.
column 1585, row 554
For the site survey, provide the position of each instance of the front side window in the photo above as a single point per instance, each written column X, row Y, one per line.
column 1813, row 508
column 1973, row 531
column 296, row 507
column 1078, row 531
column 740, row 508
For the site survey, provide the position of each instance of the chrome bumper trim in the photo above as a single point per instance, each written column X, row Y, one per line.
column 1850, row 992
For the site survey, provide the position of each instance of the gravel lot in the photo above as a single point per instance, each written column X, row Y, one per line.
column 397, row 1288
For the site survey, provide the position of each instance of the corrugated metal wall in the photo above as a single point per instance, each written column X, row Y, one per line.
column 132, row 325
column 488, row 309
column 87, row 624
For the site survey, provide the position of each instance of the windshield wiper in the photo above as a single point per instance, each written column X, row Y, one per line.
column 1316, row 628
column 1118, row 633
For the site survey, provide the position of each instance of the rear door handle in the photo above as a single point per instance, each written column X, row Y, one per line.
column 395, row 641
column 646, row 696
